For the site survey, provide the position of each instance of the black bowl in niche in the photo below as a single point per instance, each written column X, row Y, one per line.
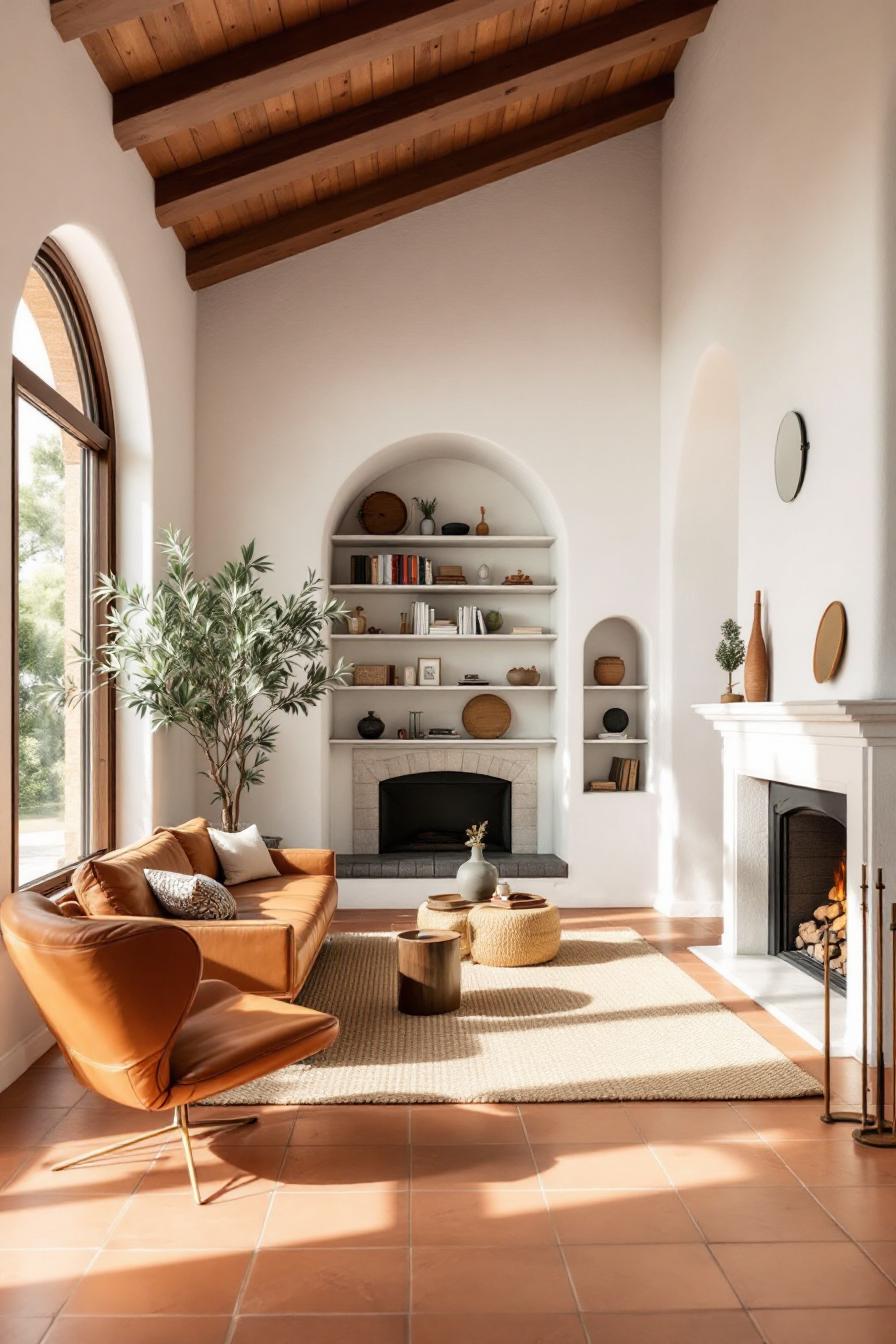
column 615, row 721
column 455, row 529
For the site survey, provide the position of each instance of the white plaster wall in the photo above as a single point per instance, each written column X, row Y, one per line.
column 777, row 247
column 525, row 314
column 63, row 173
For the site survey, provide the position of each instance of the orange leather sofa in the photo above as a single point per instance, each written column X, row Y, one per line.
column 281, row 921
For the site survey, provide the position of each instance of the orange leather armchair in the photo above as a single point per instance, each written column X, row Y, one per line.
column 136, row 1023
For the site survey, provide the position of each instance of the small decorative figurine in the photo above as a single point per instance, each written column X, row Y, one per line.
column 482, row 527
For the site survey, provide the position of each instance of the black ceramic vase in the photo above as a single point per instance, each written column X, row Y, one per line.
column 370, row 726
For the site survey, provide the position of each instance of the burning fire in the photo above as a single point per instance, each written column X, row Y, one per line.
column 831, row 916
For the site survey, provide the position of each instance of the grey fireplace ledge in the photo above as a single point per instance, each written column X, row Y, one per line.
column 446, row 865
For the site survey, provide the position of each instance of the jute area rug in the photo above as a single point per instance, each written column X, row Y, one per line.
column 611, row 1019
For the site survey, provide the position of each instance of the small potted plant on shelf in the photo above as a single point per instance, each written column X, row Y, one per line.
column 730, row 656
column 216, row 657
column 427, row 508
column 477, row 879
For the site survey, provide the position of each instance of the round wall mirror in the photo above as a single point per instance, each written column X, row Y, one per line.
column 790, row 455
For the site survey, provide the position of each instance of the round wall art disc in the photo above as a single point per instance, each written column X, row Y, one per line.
column 829, row 642
column 486, row 716
column 615, row 721
column 383, row 514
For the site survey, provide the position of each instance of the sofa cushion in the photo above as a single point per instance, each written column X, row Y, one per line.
column 115, row 884
column 307, row 903
column 243, row 854
column 191, row 895
column 195, row 841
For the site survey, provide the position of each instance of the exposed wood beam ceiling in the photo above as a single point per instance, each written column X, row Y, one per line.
column 273, row 126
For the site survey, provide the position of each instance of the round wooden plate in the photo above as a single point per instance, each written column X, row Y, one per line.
column 383, row 514
column 829, row 642
column 486, row 716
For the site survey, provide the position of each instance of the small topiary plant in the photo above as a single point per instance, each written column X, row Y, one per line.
column 730, row 655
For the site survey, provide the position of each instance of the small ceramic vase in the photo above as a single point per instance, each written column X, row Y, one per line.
column 427, row 527
column 756, row 666
column 493, row 621
column 482, row 527
column 477, row 879
column 370, row 726
column 483, row 573
column 503, row 891
column 523, row 676
column 357, row 622
column 609, row 671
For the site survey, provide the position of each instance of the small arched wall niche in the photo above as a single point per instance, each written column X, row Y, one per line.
column 616, row 637
column 520, row 537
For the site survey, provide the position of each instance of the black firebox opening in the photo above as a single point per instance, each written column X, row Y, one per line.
column 429, row 813
column 807, row 867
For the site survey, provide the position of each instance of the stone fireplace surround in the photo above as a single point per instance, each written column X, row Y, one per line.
column 842, row 746
column 369, row 766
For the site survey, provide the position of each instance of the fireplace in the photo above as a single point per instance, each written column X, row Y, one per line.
column 807, row 878
column 429, row 812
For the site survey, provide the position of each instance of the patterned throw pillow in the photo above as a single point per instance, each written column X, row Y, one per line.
column 192, row 896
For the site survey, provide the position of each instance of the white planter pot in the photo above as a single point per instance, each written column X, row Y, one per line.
column 427, row 527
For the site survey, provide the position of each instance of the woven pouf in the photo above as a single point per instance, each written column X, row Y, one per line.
column 514, row 937
column 455, row 921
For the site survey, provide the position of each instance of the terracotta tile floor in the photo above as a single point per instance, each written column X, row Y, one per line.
column 582, row 1224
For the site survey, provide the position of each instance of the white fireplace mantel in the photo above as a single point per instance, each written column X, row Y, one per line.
column 843, row 746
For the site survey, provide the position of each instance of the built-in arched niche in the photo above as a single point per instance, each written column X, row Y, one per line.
column 615, row 637
column 464, row 476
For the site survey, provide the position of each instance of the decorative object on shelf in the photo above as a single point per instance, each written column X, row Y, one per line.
column 373, row 674
column 383, row 514
column 609, row 670
column 370, row 726
column 830, row 642
column 527, row 630
column 483, row 573
column 730, row 656
column 486, row 716
column 402, row 734
column 616, row 720
column 443, row 732
column 791, row 447
column 415, row 725
column 357, row 621
column 179, row 652
column 756, row 666
column 429, row 671
column 474, row 679
column 450, row 574
column 601, row 786
column 517, row 580
column 523, row 676
column 410, row 676
column 455, row 529
column 477, row 878
column 493, row 621
column 404, row 627
column 482, row 527
column 624, row 771
column 427, row 508
column 374, row 630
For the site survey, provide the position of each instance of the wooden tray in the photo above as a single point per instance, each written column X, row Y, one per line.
column 448, row 903
column 486, row 716
column 519, row 901
column 383, row 513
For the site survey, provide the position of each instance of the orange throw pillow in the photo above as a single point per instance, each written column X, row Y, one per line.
column 194, row 840
column 115, row 885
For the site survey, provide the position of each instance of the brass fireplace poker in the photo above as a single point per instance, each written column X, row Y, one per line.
column 876, row 1131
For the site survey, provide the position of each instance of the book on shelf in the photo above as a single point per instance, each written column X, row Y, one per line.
column 527, row 630
column 602, row 786
column 624, row 771
column 388, row 570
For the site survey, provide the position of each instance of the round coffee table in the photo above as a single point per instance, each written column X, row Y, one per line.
column 455, row 921
column 513, row 937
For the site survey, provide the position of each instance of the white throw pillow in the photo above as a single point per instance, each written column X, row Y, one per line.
column 190, row 895
column 244, row 855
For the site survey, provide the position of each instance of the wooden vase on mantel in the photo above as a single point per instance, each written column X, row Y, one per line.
column 756, row 666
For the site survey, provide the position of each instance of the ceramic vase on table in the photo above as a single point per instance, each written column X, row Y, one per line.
column 756, row 666
column 477, row 879
column 427, row 527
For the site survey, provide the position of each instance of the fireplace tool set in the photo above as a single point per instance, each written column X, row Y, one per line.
column 874, row 1129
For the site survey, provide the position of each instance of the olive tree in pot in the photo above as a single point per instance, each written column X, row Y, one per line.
column 217, row 657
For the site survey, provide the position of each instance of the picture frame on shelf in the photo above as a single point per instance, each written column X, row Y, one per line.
column 429, row 671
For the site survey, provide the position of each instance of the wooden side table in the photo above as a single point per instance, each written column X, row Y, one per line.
column 428, row 971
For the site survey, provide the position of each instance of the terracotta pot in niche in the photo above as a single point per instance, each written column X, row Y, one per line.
column 609, row 671
column 756, row 666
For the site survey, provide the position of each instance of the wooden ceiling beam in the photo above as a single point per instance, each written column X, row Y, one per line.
column 273, row 65
column 388, row 198
column 471, row 92
column 79, row 18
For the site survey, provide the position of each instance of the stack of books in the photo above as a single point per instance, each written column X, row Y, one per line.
column 602, row 786
column 527, row 630
column 624, row 773
column 450, row 574
column 388, row 570
column 443, row 732
column 443, row 627
column 421, row 618
column 470, row 621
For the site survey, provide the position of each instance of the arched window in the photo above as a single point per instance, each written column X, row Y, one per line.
column 62, row 501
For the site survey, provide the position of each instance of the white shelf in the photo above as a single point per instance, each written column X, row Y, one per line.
column 615, row 741
column 396, row 588
column 615, row 688
column 428, row 690
column 443, row 742
column 443, row 639
column 415, row 541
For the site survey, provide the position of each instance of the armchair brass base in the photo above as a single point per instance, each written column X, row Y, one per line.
column 180, row 1124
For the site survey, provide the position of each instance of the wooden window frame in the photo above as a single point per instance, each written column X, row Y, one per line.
column 95, row 431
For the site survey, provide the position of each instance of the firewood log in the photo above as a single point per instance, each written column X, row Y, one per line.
column 828, row 911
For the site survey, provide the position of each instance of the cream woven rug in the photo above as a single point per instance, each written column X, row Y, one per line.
column 611, row 1019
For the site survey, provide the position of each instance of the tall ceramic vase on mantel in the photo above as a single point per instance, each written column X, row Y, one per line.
column 477, row 879
column 756, row 666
